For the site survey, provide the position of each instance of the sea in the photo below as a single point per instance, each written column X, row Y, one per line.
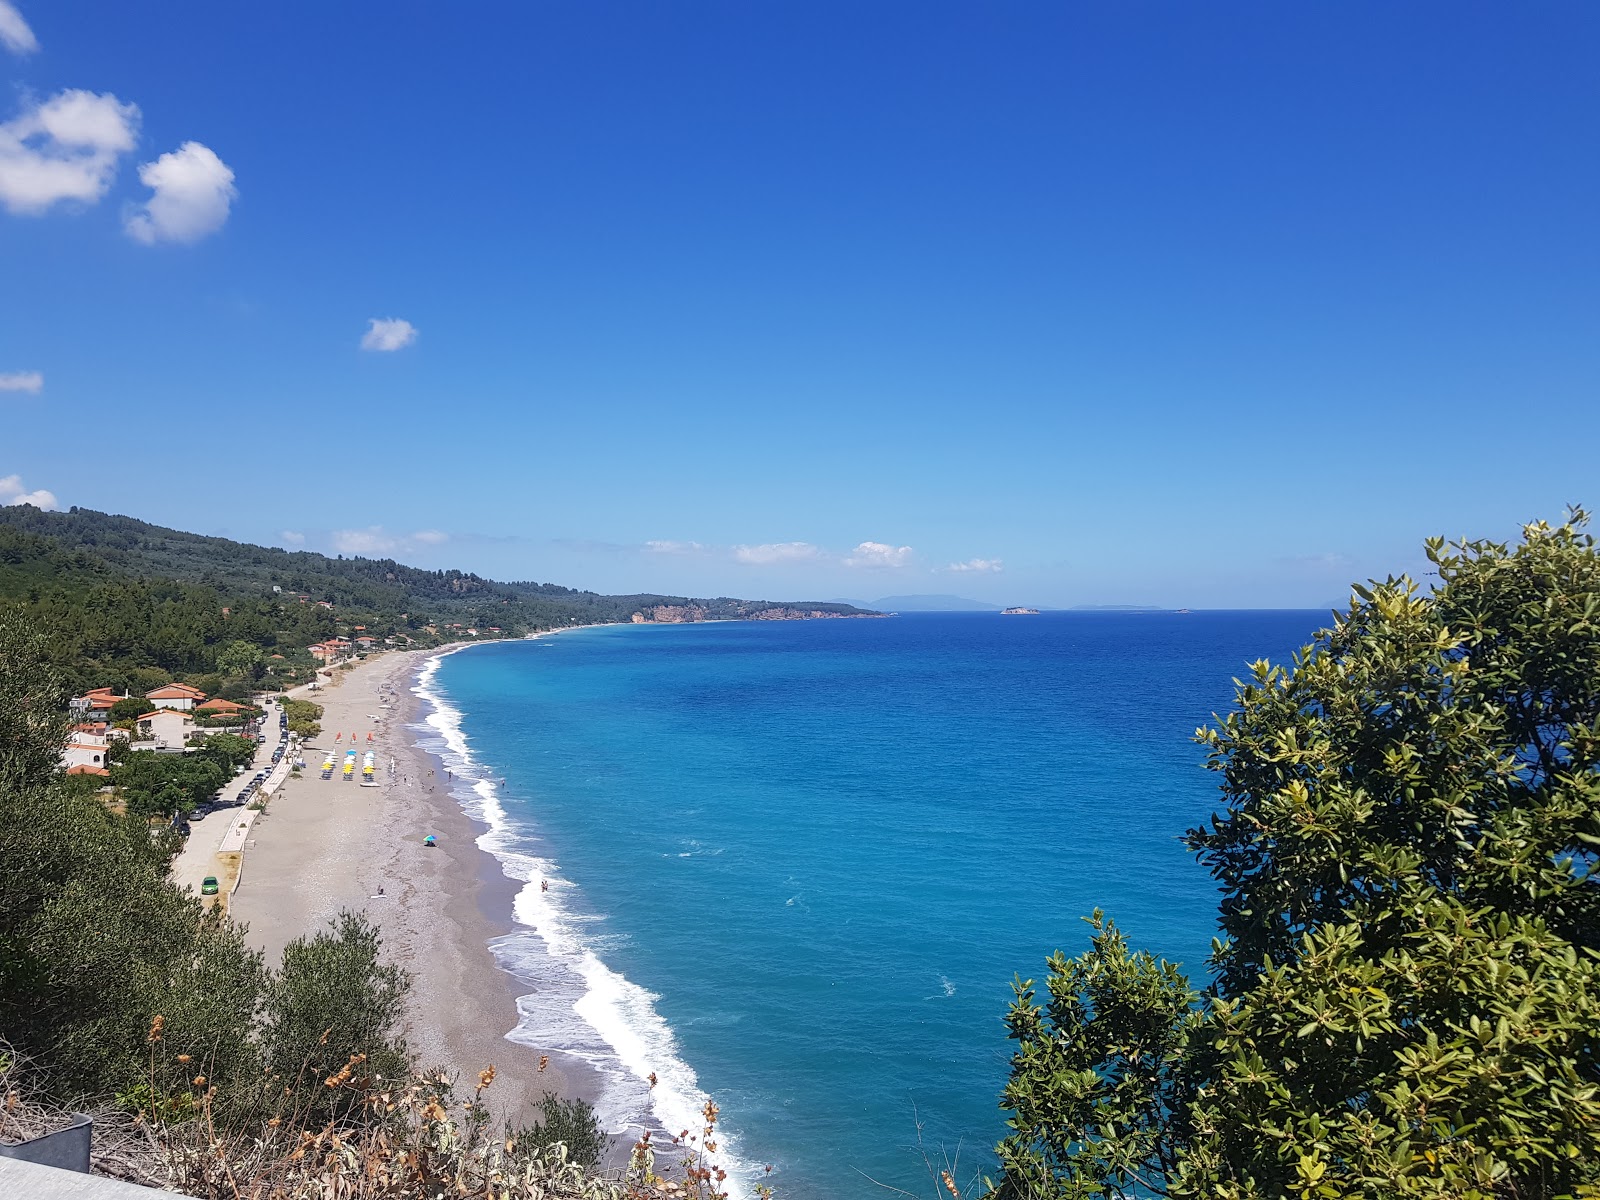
column 796, row 866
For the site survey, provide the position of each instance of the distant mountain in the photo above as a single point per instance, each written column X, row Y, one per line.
column 929, row 604
column 121, row 596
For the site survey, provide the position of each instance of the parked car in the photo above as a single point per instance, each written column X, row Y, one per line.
column 208, row 886
column 200, row 810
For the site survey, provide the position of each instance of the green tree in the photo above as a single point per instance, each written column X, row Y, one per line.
column 93, row 940
column 333, row 997
column 153, row 784
column 228, row 750
column 572, row 1123
column 130, row 707
column 241, row 658
column 303, row 717
column 1406, row 999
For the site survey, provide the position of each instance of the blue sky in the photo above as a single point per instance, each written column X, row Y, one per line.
column 1106, row 303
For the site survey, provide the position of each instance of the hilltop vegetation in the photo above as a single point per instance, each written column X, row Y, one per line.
column 133, row 604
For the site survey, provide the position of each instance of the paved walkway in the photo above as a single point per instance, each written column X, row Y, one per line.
column 225, row 830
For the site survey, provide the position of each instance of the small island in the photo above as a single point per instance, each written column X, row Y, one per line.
column 1019, row 612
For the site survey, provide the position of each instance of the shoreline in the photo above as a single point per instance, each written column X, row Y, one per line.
column 326, row 845
column 502, row 973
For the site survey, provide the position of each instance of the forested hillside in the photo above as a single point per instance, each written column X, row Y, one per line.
column 127, row 602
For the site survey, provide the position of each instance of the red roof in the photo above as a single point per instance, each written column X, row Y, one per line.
column 175, row 691
column 84, row 769
column 221, row 705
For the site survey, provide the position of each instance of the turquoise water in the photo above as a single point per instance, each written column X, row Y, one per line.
column 796, row 864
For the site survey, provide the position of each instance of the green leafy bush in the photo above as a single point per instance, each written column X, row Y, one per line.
column 1406, row 999
column 570, row 1123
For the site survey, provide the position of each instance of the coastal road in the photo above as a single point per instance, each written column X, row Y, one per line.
column 220, row 832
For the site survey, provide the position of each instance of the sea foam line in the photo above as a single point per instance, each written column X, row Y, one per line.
column 618, row 1030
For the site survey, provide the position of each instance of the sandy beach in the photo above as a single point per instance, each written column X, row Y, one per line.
column 326, row 845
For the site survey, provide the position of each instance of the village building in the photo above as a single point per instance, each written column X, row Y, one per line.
column 220, row 708
column 176, row 695
column 168, row 728
column 87, row 747
column 96, row 705
column 330, row 651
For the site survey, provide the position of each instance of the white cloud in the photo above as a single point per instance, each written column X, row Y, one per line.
column 292, row 538
column 375, row 540
column 22, row 381
column 66, row 148
column 670, row 547
column 992, row 566
column 193, row 192
column 371, row 540
column 14, row 31
column 12, row 492
column 388, row 333
column 776, row 552
column 878, row 554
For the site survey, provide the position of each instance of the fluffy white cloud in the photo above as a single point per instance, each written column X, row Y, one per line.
column 430, row 537
column 878, row 554
column 66, row 148
column 22, row 381
column 14, row 31
column 776, row 552
column 291, row 538
column 992, row 566
column 12, row 492
column 670, row 547
column 192, row 194
column 388, row 333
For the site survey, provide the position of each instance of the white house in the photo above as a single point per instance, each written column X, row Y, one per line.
column 87, row 747
column 167, row 727
column 175, row 695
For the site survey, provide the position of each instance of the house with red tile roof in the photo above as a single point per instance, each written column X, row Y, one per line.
column 86, row 749
column 95, row 705
column 87, row 769
column 330, row 650
column 176, row 695
column 219, row 708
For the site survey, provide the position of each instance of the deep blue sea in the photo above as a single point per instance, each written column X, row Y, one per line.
column 795, row 865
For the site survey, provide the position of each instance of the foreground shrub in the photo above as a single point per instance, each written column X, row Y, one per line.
column 1406, row 1001
column 569, row 1123
column 333, row 999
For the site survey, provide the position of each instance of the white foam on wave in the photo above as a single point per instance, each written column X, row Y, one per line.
column 580, row 1005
